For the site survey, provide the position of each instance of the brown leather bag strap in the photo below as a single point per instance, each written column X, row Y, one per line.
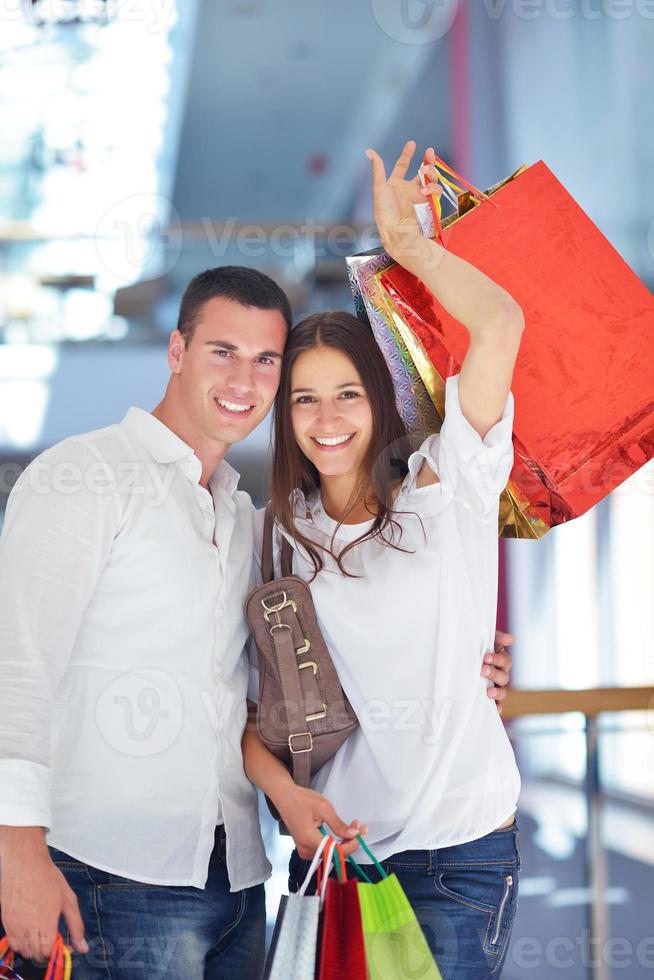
column 267, row 566
column 300, row 740
column 287, row 557
column 267, row 570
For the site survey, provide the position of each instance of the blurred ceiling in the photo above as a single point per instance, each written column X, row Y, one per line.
column 284, row 98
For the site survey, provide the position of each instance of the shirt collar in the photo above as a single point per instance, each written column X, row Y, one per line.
column 225, row 478
column 158, row 439
column 165, row 447
column 302, row 506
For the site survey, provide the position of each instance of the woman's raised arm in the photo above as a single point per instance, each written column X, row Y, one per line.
column 492, row 317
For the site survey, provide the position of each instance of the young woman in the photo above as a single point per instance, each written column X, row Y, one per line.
column 401, row 554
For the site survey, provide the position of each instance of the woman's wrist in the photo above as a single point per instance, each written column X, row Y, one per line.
column 279, row 787
column 421, row 256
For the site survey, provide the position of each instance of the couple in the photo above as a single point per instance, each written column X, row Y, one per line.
column 125, row 562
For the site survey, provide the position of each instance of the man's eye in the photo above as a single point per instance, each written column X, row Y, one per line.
column 266, row 361
column 223, row 353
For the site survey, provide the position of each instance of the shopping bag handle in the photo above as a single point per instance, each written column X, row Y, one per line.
column 60, row 964
column 434, row 201
column 322, row 880
column 323, row 870
column 357, row 867
column 314, row 863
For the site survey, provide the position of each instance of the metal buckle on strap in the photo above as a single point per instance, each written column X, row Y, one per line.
column 275, row 607
column 280, row 626
column 319, row 714
column 300, row 735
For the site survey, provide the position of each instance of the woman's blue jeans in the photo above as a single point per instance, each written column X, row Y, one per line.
column 157, row 932
column 464, row 897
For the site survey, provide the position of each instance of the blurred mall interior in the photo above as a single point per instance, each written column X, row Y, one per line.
column 144, row 142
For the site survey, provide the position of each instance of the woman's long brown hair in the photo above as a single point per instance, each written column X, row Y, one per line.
column 385, row 461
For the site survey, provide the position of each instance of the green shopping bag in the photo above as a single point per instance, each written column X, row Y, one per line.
column 395, row 943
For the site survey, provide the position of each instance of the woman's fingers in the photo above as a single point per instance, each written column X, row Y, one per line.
column 336, row 825
column 404, row 160
column 378, row 171
column 429, row 189
column 350, row 847
column 501, row 659
column 497, row 674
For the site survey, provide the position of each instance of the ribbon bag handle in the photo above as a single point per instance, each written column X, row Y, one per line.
column 359, row 870
column 60, row 964
column 314, row 863
column 434, row 201
column 324, row 869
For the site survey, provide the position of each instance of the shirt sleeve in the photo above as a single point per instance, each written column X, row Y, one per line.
column 59, row 527
column 477, row 470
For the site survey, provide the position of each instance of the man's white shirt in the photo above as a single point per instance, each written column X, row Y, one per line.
column 122, row 586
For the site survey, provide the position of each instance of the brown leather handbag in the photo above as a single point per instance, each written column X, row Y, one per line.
column 303, row 715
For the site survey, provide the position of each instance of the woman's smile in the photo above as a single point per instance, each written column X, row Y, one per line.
column 333, row 442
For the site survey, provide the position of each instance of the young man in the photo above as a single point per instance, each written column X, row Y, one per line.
column 125, row 561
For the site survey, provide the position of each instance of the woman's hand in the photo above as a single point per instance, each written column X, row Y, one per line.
column 394, row 199
column 497, row 668
column 304, row 810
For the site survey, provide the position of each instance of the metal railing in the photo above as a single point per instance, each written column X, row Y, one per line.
column 591, row 703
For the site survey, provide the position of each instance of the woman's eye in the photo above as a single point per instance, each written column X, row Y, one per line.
column 304, row 400
column 349, row 394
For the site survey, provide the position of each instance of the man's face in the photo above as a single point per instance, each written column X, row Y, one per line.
column 229, row 373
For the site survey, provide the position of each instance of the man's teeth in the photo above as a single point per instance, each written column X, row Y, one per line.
column 334, row 440
column 232, row 407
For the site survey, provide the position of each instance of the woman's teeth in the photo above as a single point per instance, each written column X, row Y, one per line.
column 231, row 407
column 333, row 440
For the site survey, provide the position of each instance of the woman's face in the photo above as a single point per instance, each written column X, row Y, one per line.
column 330, row 411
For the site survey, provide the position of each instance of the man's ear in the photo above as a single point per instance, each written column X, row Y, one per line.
column 176, row 349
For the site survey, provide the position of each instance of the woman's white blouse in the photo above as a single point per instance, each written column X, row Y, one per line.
column 431, row 764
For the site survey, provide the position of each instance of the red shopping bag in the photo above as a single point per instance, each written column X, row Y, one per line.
column 59, row 965
column 583, row 380
column 342, row 950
